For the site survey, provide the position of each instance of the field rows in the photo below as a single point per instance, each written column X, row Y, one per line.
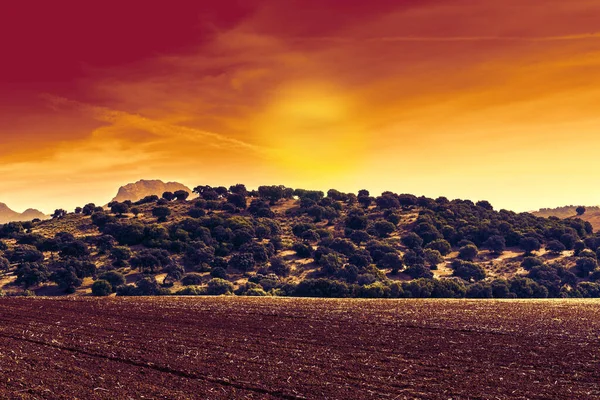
column 180, row 348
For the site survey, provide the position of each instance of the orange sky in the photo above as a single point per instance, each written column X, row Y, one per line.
column 466, row 99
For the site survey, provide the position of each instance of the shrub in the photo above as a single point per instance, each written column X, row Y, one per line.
column 101, row 288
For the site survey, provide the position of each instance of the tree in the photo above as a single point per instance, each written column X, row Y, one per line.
column 78, row 210
column 412, row 241
column 115, row 279
column 440, row 245
column 496, row 244
column 181, row 195
column 59, row 213
column 239, row 189
column 331, row 263
column 555, row 247
column 432, row 258
column 242, row 261
column 279, row 266
column 88, row 209
column 417, row 271
column 101, row 288
column 66, row 279
column 384, row 228
column 162, row 213
column 218, row 286
column 468, row 270
column 4, row 264
column 169, row 196
column 237, row 199
column 580, row 210
column 136, row 211
column 585, row 265
column 29, row 274
column 119, row 208
column 387, row 201
column 390, row 261
column 468, row 252
column 529, row 245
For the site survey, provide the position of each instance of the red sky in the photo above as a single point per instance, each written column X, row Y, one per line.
column 470, row 99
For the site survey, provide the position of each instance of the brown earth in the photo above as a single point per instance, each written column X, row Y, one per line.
column 213, row 348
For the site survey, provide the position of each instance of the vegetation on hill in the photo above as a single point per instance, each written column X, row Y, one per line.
column 281, row 241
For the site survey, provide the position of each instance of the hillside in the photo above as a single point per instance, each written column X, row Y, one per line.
column 142, row 188
column 8, row 215
column 591, row 215
column 286, row 242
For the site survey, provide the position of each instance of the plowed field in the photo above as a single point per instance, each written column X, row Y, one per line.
column 227, row 347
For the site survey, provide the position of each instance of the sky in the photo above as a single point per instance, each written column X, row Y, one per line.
column 465, row 99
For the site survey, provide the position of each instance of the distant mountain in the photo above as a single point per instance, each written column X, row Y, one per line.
column 140, row 189
column 592, row 214
column 8, row 215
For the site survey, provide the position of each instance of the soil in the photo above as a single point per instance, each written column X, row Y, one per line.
column 261, row 348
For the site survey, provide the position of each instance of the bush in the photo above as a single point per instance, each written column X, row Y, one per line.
column 101, row 288
column 218, row 286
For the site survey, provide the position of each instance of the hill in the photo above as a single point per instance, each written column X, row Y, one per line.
column 142, row 188
column 280, row 241
column 591, row 215
column 8, row 215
